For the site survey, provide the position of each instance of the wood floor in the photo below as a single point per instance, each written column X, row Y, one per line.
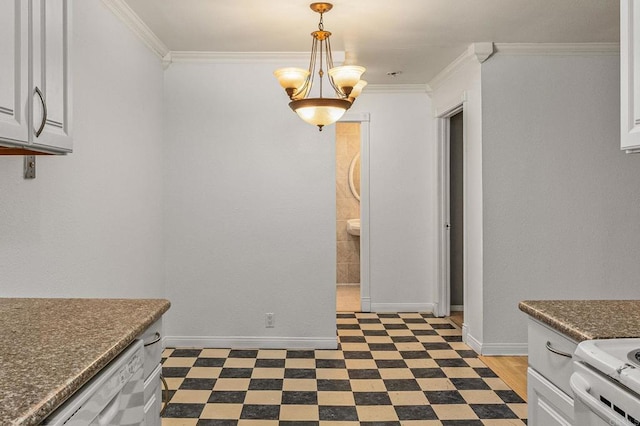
column 511, row 369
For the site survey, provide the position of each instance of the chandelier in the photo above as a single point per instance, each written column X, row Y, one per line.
column 345, row 80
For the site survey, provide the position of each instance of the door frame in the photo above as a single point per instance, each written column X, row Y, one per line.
column 443, row 216
column 365, row 270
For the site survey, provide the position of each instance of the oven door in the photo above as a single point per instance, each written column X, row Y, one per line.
column 600, row 401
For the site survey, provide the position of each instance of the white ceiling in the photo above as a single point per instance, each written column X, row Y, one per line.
column 417, row 37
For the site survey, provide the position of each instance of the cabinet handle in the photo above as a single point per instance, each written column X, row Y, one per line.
column 165, row 395
column 155, row 340
column 44, row 112
column 557, row 352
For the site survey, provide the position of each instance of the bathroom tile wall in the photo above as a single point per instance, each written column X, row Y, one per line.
column 348, row 207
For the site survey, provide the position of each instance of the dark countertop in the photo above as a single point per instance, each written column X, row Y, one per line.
column 587, row 319
column 49, row 348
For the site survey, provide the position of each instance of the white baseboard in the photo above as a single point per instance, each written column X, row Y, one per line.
column 365, row 304
column 493, row 349
column 402, row 307
column 250, row 342
column 456, row 308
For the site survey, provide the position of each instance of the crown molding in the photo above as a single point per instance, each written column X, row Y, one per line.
column 139, row 28
column 567, row 49
column 475, row 53
column 396, row 88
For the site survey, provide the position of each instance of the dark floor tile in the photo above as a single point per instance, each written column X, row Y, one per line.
column 425, row 332
column 401, row 385
column 333, row 385
column 415, row 412
column 266, row 384
column 345, row 315
column 260, row 412
column 485, row 372
column 493, row 411
column 372, row 398
column 380, row 424
column 348, row 326
column 377, row 333
column 299, row 373
column 467, row 354
column 427, row 315
column 469, row 384
column 462, row 423
column 297, row 423
column 444, row 397
column 403, row 339
column 414, row 355
column 236, row 373
column 269, row 363
column 198, row 384
column 209, row 362
column 509, row 396
column 452, row 338
column 357, row 355
column 300, row 397
column 391, row 363
column 451, row 362
column 190, row 353
column 177, row 410
column 442, row 326
column 436, row 346
column 212, row 422
column 369, row 321
column 300, row 354
column 175, row 371
column 414, row 320
column 338, row 413
column 330, row 363
column 395, row 326
column 364, row 374
column 388, row 315
column 227, row 397
column 352, row 339
column 382, row 347
column 236, row 353
column 428, row 373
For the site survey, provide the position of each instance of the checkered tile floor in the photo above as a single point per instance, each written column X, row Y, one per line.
column 391, row 369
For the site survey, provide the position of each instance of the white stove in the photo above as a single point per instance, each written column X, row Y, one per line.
column 606, row 382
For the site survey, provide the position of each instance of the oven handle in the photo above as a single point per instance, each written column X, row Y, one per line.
column 581, row 388
column 557, row 352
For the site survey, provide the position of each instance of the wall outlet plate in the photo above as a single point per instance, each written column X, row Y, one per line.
column 269, row 320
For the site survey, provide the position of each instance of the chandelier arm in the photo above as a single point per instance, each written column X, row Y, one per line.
column 339, row 92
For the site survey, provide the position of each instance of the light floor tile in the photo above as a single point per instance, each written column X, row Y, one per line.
column 454, row 412
column 221, row 411
column 377, row 413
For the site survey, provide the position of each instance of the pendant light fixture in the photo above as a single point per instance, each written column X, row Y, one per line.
column 345, row 80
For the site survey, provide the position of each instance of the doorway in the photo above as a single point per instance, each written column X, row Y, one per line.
column 456, row 218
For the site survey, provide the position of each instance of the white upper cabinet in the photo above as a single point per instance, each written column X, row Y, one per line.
column 35, row 108
column 630, row 75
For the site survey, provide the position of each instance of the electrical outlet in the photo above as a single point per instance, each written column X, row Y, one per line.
column 269, row 320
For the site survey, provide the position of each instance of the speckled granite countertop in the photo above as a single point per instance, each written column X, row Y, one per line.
column 50, row 347
column 587, row 319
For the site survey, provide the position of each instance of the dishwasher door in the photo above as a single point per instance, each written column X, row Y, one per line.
column 115, row 396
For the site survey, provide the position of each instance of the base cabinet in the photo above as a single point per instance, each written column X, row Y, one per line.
column 153, row 402
column 548, row 405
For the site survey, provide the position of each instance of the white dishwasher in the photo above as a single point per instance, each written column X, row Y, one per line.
column 115, row 396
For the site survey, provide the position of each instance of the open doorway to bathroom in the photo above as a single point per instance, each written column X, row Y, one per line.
column 456, row 218
column 348, row 189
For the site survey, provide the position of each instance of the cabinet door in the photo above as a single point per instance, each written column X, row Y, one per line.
column 14, row 38
column 50, row 86
column 630, row 75
column 547, row 404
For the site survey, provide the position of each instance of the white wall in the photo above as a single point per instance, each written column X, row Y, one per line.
column 561, row 211
column 90, row 224
column 402, row 156
column 250, row 211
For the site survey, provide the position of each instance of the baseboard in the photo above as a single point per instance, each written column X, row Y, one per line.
column 365, row 304
column 250, row 342
column 493, row 349
column 402, row 307
column 456, row 308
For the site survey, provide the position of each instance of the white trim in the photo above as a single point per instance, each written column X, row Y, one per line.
column 558, row 48
column 476, row 52
column 402, row 307
column 396, row 88
column 471, row 341
column 507, row 349
column 457, row 308
column 253, row 342
column 365, row 304
column 122, row 10
column 350, row 117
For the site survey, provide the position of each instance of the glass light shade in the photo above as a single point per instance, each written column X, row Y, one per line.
column 357, row 89
column 347, row 75
column 320, row 111
column 291, row 78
